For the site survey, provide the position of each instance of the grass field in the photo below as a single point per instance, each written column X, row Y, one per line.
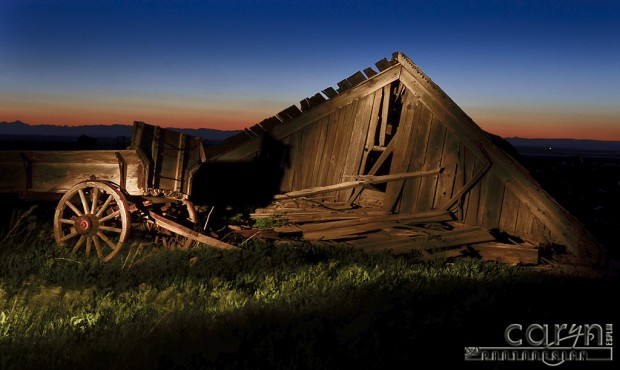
column 270, row 306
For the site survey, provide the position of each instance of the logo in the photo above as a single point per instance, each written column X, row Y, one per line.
column 551, row 344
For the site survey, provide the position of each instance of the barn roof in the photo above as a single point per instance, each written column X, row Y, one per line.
column 392, row 143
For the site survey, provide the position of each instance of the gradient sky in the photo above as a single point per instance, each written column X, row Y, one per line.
column 518, row 68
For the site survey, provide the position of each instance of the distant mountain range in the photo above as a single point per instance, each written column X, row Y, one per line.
column 565, row 144
column 19, row 128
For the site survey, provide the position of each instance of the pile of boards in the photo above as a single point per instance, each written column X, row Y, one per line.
column 431, row 234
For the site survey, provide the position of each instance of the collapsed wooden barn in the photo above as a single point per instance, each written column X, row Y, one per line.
column 388, row 161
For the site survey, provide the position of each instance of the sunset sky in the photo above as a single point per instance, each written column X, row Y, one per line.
column 518, row 68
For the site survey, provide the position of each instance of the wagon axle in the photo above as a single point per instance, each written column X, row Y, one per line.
column 86, row 225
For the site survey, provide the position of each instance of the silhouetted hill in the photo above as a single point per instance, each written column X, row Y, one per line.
column 19, row 128
column 566, row 147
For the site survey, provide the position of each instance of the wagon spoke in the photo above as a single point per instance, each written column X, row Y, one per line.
column 72, row 234
column 106, row 240
column 95, row 200
column 93, row 216
column 110, row 216
column 109, row 228
column 78, row 244
column 89, row 244
column 84, row 202
column 105, row 205
column 73, row 207
column 97, row 246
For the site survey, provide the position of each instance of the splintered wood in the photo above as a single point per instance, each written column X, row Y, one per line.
column 432, row 234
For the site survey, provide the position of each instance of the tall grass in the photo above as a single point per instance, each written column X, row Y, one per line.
column 287, row 306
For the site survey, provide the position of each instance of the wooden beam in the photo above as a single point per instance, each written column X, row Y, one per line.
column 361, row 180
column 189, row 233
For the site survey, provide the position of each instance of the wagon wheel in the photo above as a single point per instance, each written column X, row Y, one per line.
column 92, row 213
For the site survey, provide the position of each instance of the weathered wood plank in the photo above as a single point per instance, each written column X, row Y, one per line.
column 402, row 150
column 361, row 180
column 356, row 79
column 317, row 167
column 385, row 110
column 342, row 144
column 332, row 128
column 270, row 123
column 508, row 253
column 428, row 185
column 372, row 129
column 358, row 138
column 510, row 210
column 449, row 161
column 297, row 156
column 369, row 72
column 492, row 200
column 189, row 233
column 289, row 113
column 525, row 220
column 436, row 243
column 330, row 92
column 316, row 99
column 311, row 135
column 343, row 86
column 383, row 64
column 425, row 217
column 417, row 160
column 287, row 178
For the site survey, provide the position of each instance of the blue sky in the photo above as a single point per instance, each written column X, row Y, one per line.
column 518, row 68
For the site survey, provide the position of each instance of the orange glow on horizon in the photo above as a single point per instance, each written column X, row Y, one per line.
column 511, row 122
column 537, row 125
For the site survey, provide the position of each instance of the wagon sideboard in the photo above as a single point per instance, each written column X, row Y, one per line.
column 157, row 160
column 57, row 171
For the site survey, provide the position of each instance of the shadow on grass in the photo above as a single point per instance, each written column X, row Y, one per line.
column 363, row 311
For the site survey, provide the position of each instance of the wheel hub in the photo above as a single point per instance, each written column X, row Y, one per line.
column 86, row 225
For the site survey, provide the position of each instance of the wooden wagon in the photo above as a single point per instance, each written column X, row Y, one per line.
column 103, row 192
